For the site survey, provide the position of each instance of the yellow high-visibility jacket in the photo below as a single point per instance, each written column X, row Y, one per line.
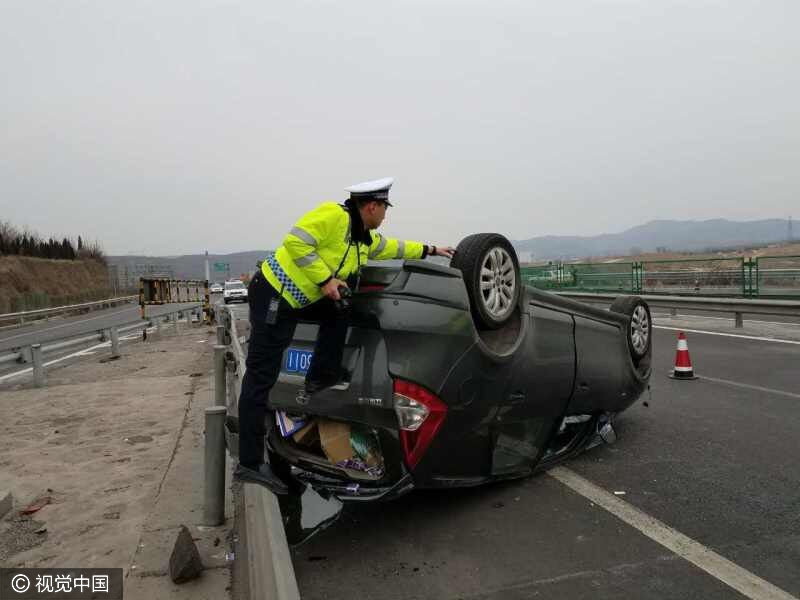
column 320, row 246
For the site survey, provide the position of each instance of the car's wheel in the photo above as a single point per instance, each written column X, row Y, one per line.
column 490, row 268
column 640, row 326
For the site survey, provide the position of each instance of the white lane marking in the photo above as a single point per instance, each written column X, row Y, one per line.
column 73, row 355
column 757, row 388
column 719, row 567
column 11, row 337
column 733, row 335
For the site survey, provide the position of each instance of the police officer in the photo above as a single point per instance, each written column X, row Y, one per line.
column 303, row 279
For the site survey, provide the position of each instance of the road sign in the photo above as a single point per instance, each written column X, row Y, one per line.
column 220, row 266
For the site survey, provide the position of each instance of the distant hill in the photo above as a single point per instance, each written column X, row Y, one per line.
column 190, row 266
column 671, row 235
column 664, row 235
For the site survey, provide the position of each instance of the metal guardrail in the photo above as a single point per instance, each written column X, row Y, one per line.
column 270, row 570
column 33, row 353
column 738, row 306
column 31, row 315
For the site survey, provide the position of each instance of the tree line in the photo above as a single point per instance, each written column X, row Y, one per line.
column 25, row 243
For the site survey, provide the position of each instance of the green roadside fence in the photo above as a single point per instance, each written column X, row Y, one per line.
column 735, row 277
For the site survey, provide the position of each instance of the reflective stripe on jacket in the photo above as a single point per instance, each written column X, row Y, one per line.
column 315, row 247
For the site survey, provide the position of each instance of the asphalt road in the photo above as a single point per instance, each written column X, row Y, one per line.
column 62, row 327
column 715, row 460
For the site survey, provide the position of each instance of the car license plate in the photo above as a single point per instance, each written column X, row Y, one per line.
column 298, row 361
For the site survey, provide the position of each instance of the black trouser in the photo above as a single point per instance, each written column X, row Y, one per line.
column 265, row 353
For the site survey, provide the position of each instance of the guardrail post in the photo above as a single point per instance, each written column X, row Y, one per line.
column 220, row 335
column 230, row 379
column 214, row 484
column 25, row 355
column 673, row 312
column 219, row 375
column 158, row 324
column 739, row 320
column 114, row 342
column 175, row 316
column 38, row 365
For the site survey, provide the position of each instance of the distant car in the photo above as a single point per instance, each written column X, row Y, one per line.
column 216, row 288
column 235, row 291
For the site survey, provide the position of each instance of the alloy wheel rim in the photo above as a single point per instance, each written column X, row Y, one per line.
column 498, row 283
column 640, row 329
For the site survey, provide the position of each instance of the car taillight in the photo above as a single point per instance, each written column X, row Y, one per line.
column 420, row 414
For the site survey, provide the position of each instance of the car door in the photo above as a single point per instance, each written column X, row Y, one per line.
column 538, row 391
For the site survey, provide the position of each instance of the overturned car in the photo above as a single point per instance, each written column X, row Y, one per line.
column 457, row 376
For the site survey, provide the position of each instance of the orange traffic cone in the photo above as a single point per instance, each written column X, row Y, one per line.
column 683, row 362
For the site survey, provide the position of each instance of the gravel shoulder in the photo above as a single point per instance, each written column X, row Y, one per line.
column 114, row 450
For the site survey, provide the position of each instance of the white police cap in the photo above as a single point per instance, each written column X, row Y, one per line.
column 377, row 189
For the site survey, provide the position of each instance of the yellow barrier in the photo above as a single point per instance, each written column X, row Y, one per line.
column 162, row 290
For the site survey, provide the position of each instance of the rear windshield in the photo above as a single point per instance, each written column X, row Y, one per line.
column 234, row 285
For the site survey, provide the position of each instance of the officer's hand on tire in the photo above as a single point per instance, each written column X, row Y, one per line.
column 331, row 289
column 445, row 251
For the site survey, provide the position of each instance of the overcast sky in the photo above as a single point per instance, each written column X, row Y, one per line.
column 172, row 127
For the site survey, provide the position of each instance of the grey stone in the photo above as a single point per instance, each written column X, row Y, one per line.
column 6, row 502
column 184, row 563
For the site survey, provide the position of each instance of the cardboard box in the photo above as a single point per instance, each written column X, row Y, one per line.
column 308, row 435
column 335, row 440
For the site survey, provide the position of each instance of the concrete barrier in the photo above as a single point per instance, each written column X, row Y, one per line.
column 269, row 562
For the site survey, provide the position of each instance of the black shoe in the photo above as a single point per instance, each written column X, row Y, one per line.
column 264, row 476
column 312, row 387
column 317, row 385
column 325, row 381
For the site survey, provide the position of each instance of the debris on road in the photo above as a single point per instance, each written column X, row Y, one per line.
column 139, row 439
column 17, row 534
column 36, row 505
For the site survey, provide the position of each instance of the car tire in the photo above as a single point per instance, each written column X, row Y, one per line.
column 490, row 269
column 640, row 324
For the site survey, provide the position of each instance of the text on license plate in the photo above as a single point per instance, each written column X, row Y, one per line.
column 298, row 361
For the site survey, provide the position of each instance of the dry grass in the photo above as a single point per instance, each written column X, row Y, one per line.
column 23, row 275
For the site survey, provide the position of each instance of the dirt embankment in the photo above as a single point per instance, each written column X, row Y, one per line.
column 30, row 283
